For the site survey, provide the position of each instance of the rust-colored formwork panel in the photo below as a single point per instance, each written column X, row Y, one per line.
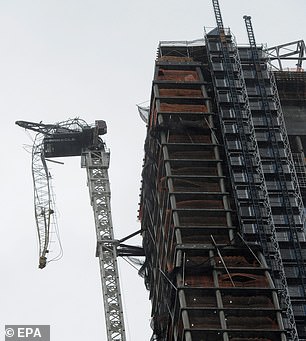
column 197, row 261
column 188, row 138
column 244, row 280
column 170, row 107
column 199, row 218
column 195, row 298
column 205, row 322
column 251, row 322
column 200, row 204
column 180, row 93
column 175, row 59
column 183, row 109
column 205, row 238
column 259, row 301
column 200, row 280
column 195, row 170
column 196, row 185
column 153, row 118
column 178, row 75
column 236, row 261
column 190, row 185
column 192, row 154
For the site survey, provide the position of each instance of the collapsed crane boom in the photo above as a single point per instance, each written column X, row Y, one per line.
column 44, row 207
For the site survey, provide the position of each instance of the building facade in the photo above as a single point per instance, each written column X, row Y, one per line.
column 221, row 208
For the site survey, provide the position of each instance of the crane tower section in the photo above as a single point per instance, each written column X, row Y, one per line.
column 96, row 163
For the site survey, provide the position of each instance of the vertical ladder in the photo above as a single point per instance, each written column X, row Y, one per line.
column 96, row 163
column 280, row 174
column 218, row 15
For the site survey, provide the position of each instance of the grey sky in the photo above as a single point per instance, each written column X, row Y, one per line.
column 93, row 59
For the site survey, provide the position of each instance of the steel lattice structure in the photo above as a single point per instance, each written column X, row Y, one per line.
column 96, row 164
column 43, row 199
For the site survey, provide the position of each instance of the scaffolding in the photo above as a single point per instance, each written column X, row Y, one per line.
column 276, row 156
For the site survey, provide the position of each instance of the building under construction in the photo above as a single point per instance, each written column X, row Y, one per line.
column 222, row 210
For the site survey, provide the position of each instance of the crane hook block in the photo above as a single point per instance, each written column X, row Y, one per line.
column 42, row 262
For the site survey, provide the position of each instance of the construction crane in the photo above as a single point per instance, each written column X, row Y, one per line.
column 75, row 137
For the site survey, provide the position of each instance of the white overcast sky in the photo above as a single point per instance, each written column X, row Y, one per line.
column 93, row 59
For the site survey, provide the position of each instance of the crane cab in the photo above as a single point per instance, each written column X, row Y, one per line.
column 71, row 143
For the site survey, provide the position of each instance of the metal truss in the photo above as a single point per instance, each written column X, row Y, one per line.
column 70, row 125
column 96, row 163
column 43, row 202
column 295, row 50
column 44, row 208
